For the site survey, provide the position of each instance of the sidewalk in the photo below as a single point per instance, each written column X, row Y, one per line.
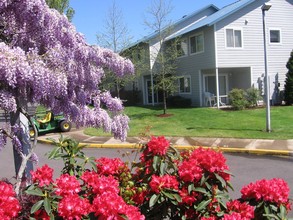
column 255, row 146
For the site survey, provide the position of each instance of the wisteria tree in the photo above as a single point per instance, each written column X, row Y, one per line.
column 44, row 60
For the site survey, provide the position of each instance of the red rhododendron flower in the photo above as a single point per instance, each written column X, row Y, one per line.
column 189, row 171
column 211, row 161
column 67, row 185
column 9, row 205
column 159, row 183
column 41, row 214
column 187, row 198
column 158, row 146
column 245, row 210
column 100, row 184
column 72, row 207
column 274, row 190
column 111, row 206
column 233, row 216
column 108, row 166
column 43, row 175
column 139, row 197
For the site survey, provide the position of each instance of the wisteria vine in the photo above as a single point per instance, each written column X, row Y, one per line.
column 45, row 60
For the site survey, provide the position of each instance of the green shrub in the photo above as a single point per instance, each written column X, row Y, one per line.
column 237, row 99
column 178, row 101
column 252, row 96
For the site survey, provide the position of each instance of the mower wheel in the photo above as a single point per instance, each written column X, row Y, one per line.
column 65, row 126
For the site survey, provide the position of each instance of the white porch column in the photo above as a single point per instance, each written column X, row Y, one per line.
column 217, row 88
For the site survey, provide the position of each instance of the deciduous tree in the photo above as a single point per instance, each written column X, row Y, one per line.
column 44, row 60
column 164, row 55
column 115, row 36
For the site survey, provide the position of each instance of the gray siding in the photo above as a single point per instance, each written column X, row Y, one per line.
column 249, row 19
column 193, row 63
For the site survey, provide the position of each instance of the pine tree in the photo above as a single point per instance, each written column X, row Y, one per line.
column 288, row 91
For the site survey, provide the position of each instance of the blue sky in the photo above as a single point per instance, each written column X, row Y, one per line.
column 91, row 14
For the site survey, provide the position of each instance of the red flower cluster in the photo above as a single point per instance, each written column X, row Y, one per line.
column 159, row 183
column 211, row 161
column 43, row 175
column 72, row 207
column 188, row 199
column 274, row 190
column 108, row 166
column 67, row 185
column 200, row 161
column 245, row 211
column 158, row 146
column 189, row 171
column 9, row 205
column 99, row 184
column 107, row 204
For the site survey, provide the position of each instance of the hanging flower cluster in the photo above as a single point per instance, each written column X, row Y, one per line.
column 164, row 183
column 44, row 60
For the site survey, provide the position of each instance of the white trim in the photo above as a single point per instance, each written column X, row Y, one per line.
column 280, row 32
column 200, row 87
column 184, row 76
column 189, row 43
column 242, row 36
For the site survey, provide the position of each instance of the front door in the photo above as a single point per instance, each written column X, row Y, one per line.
column 157, row 95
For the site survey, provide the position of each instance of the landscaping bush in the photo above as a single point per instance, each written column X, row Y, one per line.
column 237, row 99
column 252, row 96
column 164, row 183
column 178, row 102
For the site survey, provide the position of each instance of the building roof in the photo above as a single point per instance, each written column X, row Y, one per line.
column 214, row 18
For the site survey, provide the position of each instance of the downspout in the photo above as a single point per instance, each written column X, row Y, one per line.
column 217, row 69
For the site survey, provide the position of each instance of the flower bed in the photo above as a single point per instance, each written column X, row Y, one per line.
column 164, row 183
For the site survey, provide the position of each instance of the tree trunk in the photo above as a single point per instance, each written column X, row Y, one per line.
column 21, row 121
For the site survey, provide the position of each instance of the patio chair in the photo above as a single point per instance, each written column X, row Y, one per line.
column 209, row 99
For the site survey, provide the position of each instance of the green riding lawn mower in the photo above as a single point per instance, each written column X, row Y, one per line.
column 49, row 123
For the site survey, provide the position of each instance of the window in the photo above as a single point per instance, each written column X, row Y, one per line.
column 184, row 84
column 196, row 43
column 233, row 38
column 182, row 48
column 275, row 36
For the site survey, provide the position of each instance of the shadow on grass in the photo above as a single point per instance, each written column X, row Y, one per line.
column 227, row 129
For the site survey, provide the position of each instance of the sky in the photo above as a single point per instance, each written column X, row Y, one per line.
column 90, row 15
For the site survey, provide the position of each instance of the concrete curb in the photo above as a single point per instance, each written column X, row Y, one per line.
column 185, row 147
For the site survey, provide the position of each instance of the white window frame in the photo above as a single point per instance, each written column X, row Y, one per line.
column 186, row 41
column 179, row 89
column 280, row 35
column 226, row 37
column 196, row 35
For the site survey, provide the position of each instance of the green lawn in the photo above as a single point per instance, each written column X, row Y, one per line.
column 209, row 122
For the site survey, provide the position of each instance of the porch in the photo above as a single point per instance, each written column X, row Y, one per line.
column 219, row 82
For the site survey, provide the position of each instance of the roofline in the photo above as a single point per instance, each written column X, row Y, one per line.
column 231, row 12
column 152, row 35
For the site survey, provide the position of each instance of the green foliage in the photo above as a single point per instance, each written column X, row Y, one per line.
column 178, row 101
column 62, row 6
column 237, row 99
column 252, row 96
column 241, row 99
column 70, row 152
column 288, row 89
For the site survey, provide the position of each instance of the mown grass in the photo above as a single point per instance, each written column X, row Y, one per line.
column 208, row 122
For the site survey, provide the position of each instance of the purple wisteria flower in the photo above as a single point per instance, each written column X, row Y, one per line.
column 48, row 62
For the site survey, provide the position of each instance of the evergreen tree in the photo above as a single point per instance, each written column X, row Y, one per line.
column 288, row 91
